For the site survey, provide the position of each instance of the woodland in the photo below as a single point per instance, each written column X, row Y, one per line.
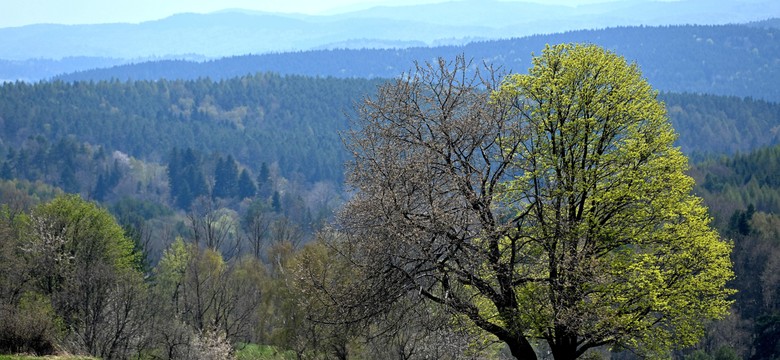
column 196, row 217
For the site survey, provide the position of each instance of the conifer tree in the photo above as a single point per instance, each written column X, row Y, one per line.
column 226, row 178
column 246, row 186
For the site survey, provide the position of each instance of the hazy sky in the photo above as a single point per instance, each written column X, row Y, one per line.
column 24, row 12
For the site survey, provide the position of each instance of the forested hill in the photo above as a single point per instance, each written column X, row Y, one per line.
column 290, row 120
column 737, row 60
column 711, row 124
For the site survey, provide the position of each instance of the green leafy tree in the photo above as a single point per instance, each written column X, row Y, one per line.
column 71, row 233
column 83, row 262
column 553, row 207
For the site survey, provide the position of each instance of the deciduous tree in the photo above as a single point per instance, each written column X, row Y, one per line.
column 83, row 261
column 550, row 206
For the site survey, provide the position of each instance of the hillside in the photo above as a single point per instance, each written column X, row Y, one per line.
column 710, row 124
column 736, row 60
column 291, row 120
column 743, row 195
column 294, row 121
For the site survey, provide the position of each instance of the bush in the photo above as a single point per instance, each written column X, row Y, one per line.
column 262, row 352
column 211, row 345
column 29, row 327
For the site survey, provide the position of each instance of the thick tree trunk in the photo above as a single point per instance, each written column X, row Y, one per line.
column 564, row 352
column 521, row 349
column 564, row 347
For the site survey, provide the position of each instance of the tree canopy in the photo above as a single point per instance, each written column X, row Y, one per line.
column 81, row 262
column 550, row 206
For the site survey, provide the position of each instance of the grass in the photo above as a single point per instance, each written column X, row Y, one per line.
column 260, row 352
column 243, row 352
column 50, row 357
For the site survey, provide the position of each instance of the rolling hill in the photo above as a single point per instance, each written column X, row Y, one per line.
column 732, row 60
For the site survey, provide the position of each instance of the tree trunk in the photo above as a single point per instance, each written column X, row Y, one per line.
column 521, row 349
column 564, row 352
column 565, row 347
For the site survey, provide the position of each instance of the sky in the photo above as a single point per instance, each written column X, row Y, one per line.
column 25, row 12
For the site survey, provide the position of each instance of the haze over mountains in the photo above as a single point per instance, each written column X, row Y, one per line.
column 238, row 32
column 735, row 60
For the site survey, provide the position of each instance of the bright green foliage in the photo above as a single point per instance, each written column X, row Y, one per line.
column 194, row 280
column 70, row 239
column 80, row 259
column 610, row 246
column 172, row 268
column 88, row 233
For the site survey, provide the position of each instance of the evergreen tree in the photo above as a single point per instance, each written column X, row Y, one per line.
column 197, row 181
column 184, row 198
column 264, row 175
column 264, row 181
column 226, row 178
column 174, row 173
column 185, row 177
column 68, row 179
column 246, row 186
column 6, row 173
column 114, row 175
column 101, row 188
column 219, row 181
column 276, row 202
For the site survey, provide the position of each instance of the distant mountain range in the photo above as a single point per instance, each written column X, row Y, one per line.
column 238, row 32
column 736, row 60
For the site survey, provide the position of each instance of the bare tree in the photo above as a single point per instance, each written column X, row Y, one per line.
column 283, row 230
column 431, row 156
column 257, row 233
column 214, row 228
